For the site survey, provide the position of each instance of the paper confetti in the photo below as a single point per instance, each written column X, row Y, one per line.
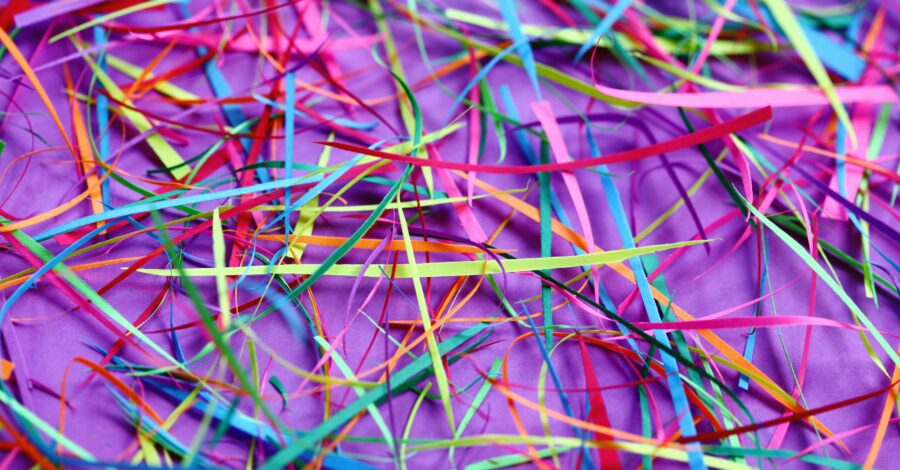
column 446, row 234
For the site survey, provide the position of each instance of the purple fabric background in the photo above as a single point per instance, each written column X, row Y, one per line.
column 43, row 332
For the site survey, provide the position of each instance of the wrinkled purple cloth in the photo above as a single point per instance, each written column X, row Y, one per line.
column 45, row 331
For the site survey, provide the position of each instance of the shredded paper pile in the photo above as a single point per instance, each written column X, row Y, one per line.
column 461, row 234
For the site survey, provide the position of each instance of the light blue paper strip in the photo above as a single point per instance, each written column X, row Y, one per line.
column 511, row 17
column 233, row 113
column 102, row 109
column 676, row 387
column 288, row 152
column 143, row 206
column 362, row 126
column 840, row 57
column 605, row 24
column 521, row 137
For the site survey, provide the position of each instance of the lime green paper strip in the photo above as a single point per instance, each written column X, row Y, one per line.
column 161, row 147
column 677, row 455
column 218, row 240
column 42, row 425
column 164, row 86
column 110, row 16
column 360, row 391
column 831, row 283
column 579, row 36
column 788, row 23
column 88, row 292
column 439, row 269
column 440, row 375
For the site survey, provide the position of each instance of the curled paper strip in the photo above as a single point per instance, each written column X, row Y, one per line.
column 431, row 234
